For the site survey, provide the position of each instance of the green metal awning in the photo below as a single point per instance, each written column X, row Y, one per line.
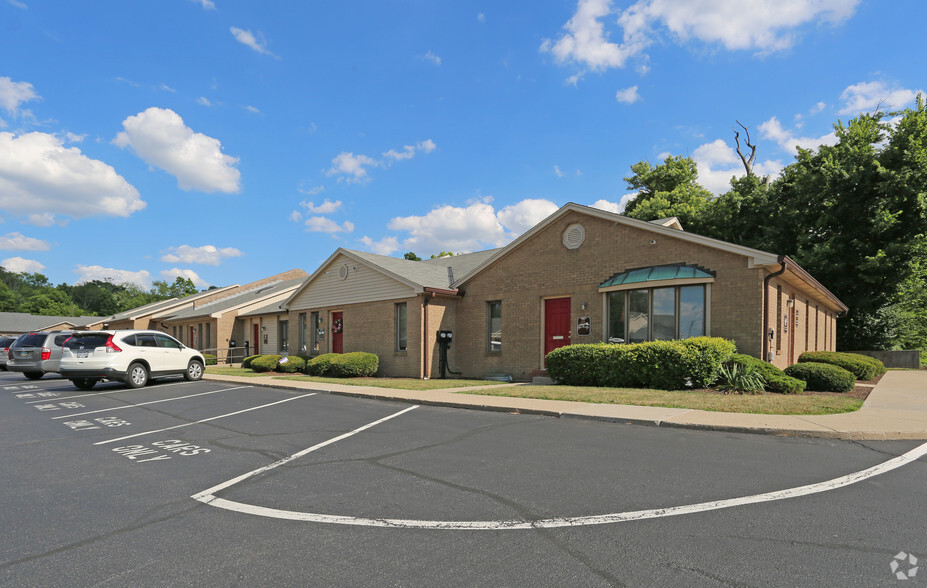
column 675, row 271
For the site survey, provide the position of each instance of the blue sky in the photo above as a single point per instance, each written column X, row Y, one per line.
column 227, row 141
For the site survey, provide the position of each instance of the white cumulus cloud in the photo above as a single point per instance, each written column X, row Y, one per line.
column 321, row 224
column 385, row 246
column 868, row 96
column 787, row 140
column 327, row 207
column 89, row 273
column 38, row 174
column 12, row 94
column 256, row 42
column 19, row 265
column 205, row 254
column 764, row 26
column 432, row 57
column 353, row 168
column 161, row 139
column 628, row 95
column 470, row 228
column 20, row 242
column 616, row 207
column 175, row 272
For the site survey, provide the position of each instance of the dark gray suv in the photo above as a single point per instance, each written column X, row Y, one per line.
column 36, row 354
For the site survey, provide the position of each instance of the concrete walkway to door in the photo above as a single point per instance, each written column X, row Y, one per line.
column 896, row 409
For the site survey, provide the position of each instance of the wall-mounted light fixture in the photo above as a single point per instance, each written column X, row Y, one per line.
column 790, row 302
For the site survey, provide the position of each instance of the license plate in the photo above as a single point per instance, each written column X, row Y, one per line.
column 83, row 354
column 22, row 354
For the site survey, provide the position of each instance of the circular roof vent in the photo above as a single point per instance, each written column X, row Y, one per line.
column 343, row 272
column 573, row 236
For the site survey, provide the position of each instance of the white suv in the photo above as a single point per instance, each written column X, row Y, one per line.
column 129, row 356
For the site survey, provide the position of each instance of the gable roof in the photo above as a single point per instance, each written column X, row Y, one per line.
column 428, row 274
column 755, row 257
column 21, row 322
column 162, row 305
column 237, row 300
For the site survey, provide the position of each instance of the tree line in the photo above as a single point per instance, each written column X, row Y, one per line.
column 34, row 294
column 854, row 214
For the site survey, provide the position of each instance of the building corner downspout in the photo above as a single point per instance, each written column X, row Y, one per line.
column 426, row 364
column 766, row 281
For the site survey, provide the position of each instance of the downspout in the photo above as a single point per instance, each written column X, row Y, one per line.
column 425, row 363
column 766, row 306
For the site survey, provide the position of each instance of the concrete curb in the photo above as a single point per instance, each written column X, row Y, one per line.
column 846, row 426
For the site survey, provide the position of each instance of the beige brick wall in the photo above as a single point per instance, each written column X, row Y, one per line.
column 812, row 327
column 542, row 267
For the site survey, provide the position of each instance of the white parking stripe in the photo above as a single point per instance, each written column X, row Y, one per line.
column 68, row 416
column 207, row 495
column 558, row 522
column 204, row 420
column 116, row 391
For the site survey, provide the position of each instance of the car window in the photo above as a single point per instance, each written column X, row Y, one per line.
column 165, row 341
column 145, row 340
column 32, row 340
column 60, row 339
column 6, row 341
column 129, row 340
column 89, row 341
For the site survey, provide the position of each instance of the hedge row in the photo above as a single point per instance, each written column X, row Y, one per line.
column 776, row 379
column 861, row 366
column 664, row 365
column 333, row 365
column 822, row 377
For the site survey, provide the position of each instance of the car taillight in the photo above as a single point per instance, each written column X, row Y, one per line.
column 112, row 347
column 46, row 353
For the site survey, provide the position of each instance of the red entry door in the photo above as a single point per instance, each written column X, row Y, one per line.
column 556, row 323
column 257, row 339
column 337, row 332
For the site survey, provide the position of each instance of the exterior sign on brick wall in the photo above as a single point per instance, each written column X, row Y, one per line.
column 583, row 326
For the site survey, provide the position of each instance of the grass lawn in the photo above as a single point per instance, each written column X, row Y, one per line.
column 231, row 371
column 400, row 383
column 795, row 404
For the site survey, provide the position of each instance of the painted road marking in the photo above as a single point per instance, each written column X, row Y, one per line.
column 203, row 420
column 151, row 402
column 208, row 497
column 116, row 391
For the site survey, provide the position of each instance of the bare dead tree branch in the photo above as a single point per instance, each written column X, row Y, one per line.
column 748, row 162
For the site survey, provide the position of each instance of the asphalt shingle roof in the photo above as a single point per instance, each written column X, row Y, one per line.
column 20, row 322
column 430, row 273
column 233, row 300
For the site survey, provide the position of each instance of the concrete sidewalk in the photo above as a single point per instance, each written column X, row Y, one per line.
column 895, row 409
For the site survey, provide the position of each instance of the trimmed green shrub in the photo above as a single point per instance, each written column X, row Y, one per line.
column 344, row 365
column 666, row 365
column 776, row 380
column 785, row 385
column 861, row 366
column 318, row 366
column 210, row 359
column 822, row 377
column 246, row 362
column 734, row 378
column 293, row 364
column 265, row 363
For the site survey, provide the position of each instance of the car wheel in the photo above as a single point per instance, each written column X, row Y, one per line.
column 194, row 371
column 34, row 375
column 84, row 383
column 137, row 376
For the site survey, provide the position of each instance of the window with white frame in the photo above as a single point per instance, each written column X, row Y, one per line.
column 495, row 326
column 648, row 314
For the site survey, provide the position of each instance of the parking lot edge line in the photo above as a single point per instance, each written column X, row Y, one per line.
column 221, row 416
column 105, row 393
column 68, row 416
column 208, row 495
column 580, row 521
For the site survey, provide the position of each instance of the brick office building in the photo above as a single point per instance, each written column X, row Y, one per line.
column 582, row 275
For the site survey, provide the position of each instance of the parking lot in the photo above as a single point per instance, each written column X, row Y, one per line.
column 186, row 483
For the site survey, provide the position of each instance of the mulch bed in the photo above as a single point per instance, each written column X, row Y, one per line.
column 861, row 392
